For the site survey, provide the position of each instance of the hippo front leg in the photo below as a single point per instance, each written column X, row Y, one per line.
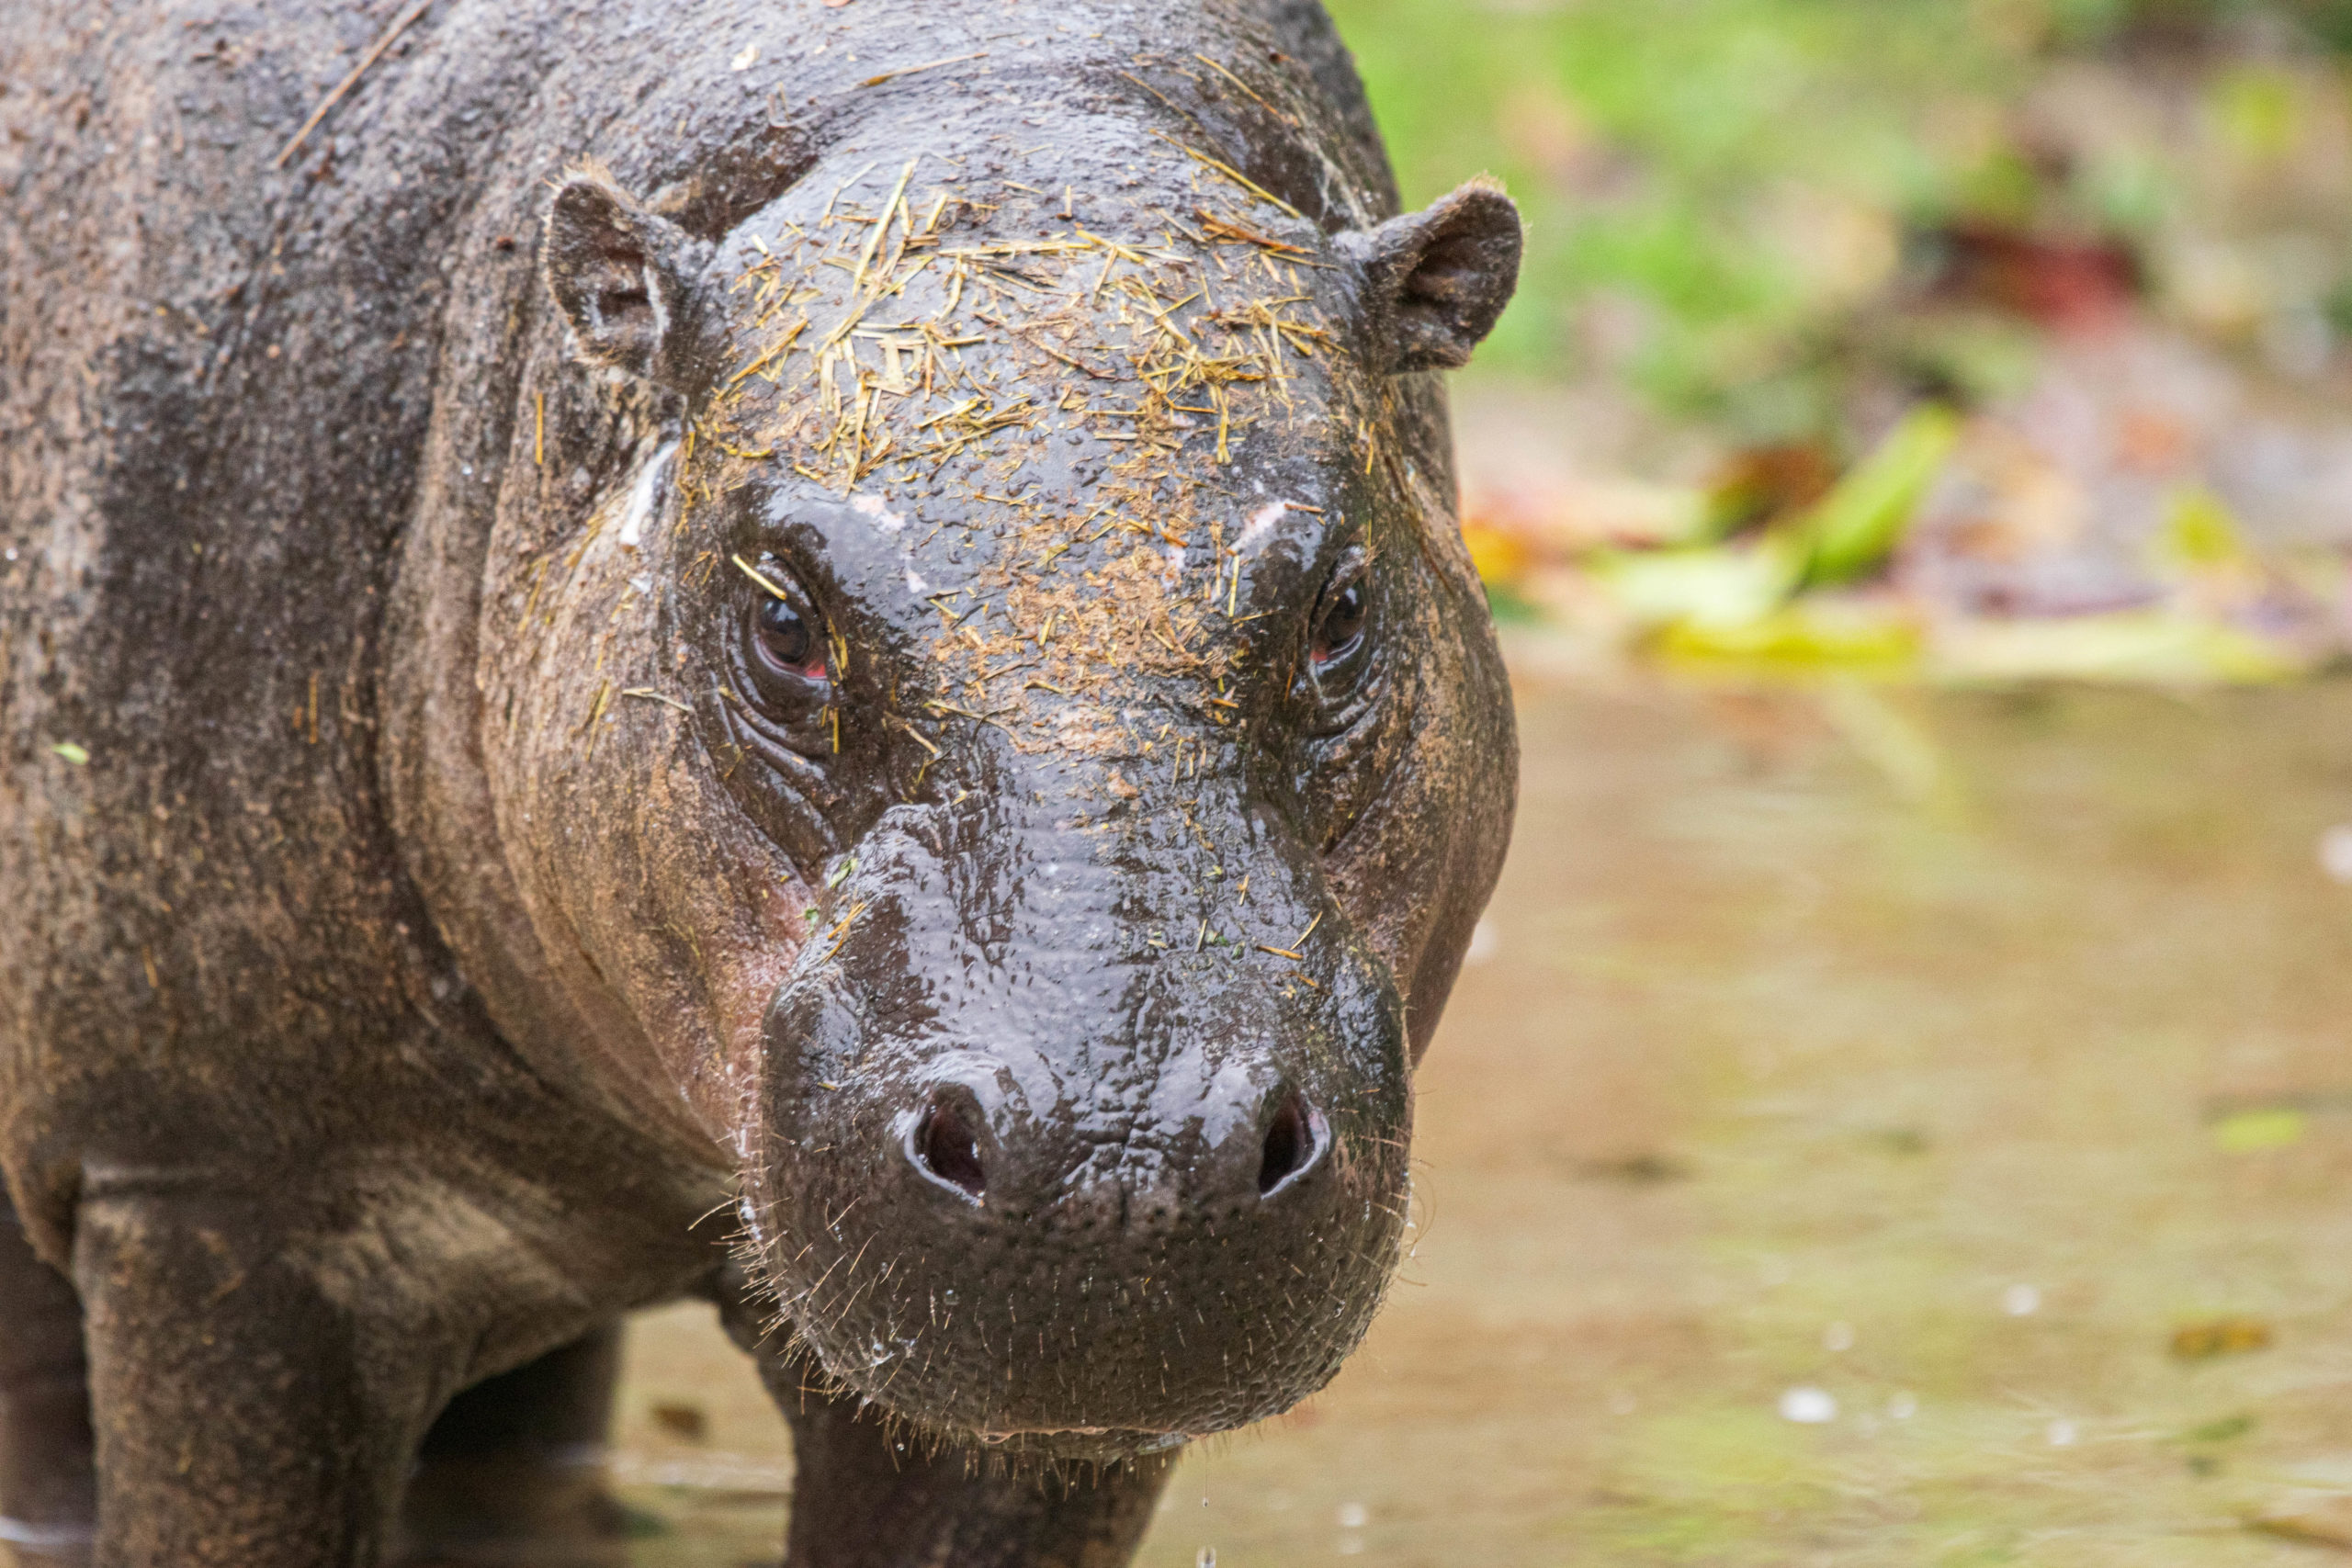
column 250, row 1410
column 46, row 1481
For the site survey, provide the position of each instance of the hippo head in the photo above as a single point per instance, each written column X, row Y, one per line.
column 1063, row 740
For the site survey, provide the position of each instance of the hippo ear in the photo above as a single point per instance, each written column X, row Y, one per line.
column 621, row 276
column 1436, row 280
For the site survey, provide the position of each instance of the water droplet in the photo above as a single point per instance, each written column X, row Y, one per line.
column 2062, row 1433
column 1837, row 1336
column 2336, row 852
column 1903, row 1407
column 1808, row 1406
column 2021, row 1301
column 1352, row 1516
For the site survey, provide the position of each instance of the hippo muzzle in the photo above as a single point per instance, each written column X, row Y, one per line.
column 1036, row 1168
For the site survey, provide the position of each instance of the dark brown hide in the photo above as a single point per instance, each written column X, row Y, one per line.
column 512, row 812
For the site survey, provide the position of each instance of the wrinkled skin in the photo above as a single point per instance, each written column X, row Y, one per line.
column 684, row 659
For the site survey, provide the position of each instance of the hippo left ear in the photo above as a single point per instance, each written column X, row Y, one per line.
column 1435, row 281
column 621, row 275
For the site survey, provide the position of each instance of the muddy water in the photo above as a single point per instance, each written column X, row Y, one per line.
column 1922, row 1066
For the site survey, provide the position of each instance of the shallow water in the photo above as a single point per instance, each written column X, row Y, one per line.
column 1922, row 1064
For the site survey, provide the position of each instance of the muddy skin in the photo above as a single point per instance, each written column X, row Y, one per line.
column 813, row 655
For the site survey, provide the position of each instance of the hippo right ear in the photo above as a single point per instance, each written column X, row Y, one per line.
column 621, row 276
column 1436, row 280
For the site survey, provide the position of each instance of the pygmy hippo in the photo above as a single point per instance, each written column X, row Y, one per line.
column 808, row 651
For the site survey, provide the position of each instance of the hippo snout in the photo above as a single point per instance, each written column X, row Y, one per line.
column 1088, row 1196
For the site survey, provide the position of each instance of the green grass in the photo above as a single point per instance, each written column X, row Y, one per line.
column 1675, row 159
column 1712, row 187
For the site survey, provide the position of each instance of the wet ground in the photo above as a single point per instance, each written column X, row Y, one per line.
column 1881, row 1129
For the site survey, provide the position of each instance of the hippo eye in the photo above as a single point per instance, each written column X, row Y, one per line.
column 785, row 632
column 1339, row 622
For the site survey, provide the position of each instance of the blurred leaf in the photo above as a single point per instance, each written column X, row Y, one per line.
column 2250, row 1132
column 2258, row 110
column 682, row 1419
column 1804, row 637
column 1508, row 606
column 1972, row 356
column 1501, row 557
column 1862, row 518
column 2221, row 1337
column 1714, row 587
column 2155, row 645
column 2331, row 1529
column 1639, row 1170
column 1760, row 484
column 77, row 755
column 2003, row 188
column 2200, row 532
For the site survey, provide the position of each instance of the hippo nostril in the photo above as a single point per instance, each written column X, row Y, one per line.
column 1290, row 1144
column 947, row 1151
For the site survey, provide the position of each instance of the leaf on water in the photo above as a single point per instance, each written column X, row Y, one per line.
column 2324, row 1520
column 1648, row 1169
column 2251, row 1132
column 2200, row 534
column 1707, row 587
column 682, row 1419
column 1810, row 636
column 2159, row 646
column 2220, row 1336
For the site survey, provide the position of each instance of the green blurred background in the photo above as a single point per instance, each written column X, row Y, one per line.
column 1713, row 189
column 1919, row 339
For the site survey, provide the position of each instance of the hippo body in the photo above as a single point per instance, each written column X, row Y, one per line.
column 811, row 653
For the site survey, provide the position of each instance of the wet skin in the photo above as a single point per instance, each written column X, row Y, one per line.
column 912, row 691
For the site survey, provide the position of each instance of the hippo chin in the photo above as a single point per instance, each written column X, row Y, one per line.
column 820, row 659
